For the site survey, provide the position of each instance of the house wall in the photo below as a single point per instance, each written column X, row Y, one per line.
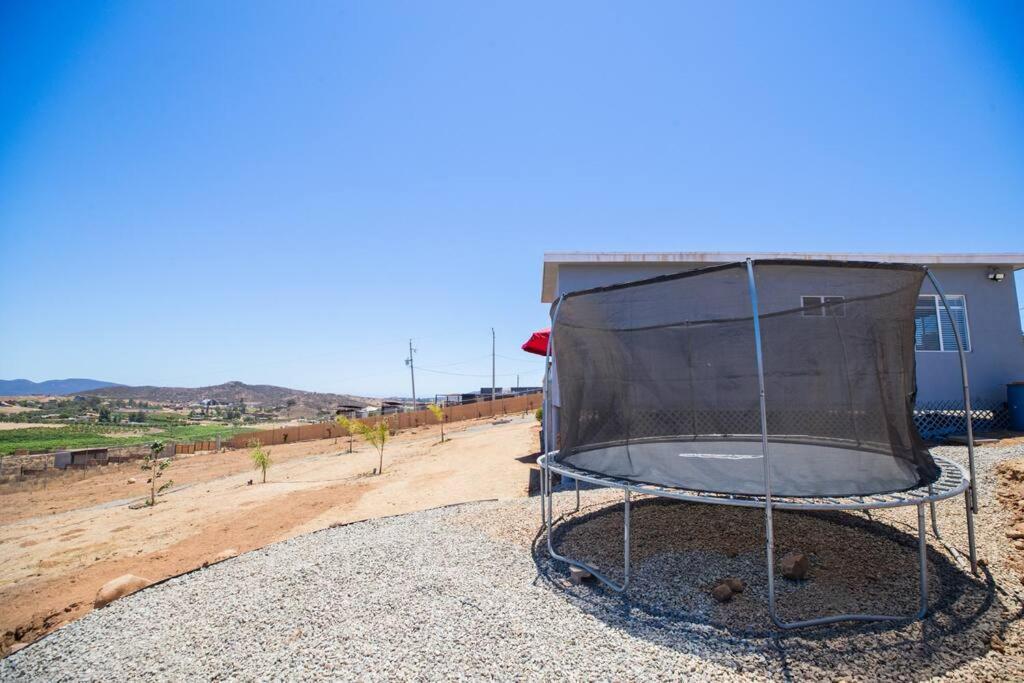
column 997, row 348
column 993, row 318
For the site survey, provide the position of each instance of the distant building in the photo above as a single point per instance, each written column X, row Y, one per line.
column 349, row 410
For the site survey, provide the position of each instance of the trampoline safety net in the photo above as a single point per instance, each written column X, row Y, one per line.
column 658, row 383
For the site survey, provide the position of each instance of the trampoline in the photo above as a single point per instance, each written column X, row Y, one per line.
column 775, row 384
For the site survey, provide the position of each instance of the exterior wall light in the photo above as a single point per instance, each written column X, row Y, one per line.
column 995, row 276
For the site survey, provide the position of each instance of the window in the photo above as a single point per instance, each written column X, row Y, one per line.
column 818, row 306
column 933, row 330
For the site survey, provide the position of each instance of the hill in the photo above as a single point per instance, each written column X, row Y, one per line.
column 51, row 387
column 233, row 392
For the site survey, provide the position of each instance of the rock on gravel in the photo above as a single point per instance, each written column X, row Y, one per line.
column 118, row 588
column 722, row 592
column 734, row 584
column 794, row 565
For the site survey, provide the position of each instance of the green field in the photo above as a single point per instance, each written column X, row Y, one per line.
column 35, row 439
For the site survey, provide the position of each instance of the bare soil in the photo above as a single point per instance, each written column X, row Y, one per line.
column 62, row 539
column 1010, row 492
column 4, row 426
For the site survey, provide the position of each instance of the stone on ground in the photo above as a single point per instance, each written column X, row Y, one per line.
column 722, row 593
column 735, row 585
column 118, row 588
column 795, row 565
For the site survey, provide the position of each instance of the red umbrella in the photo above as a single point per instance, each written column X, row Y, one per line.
column 538, row 342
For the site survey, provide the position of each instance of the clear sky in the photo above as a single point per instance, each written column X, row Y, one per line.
column 284, row 193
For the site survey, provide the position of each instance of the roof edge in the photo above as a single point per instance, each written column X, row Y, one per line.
column 553, row 259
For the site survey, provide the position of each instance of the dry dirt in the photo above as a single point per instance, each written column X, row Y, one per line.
column 62, row 539
column 1010, row 492
column 27, row 425
column 14, row 410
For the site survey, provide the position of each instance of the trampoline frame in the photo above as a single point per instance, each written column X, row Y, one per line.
column 952, row 480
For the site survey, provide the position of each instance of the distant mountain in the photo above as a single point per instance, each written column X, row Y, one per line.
column 51, row 387
column 263, row 395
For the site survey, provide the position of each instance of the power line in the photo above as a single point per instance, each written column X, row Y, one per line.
column 527, row 360
column 468, row 374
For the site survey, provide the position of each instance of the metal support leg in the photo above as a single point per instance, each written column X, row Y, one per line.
column 625, row 539
column 970, row 530
column 578, row 495
column 543, row 496
column 931, row 506
column 922, row 550
column 618, row 588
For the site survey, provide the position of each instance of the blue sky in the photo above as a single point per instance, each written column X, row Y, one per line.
column 197, row 192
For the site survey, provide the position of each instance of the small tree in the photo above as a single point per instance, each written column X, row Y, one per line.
column 438, row 412
column 156, row 466
column 260, row 457
column 376, row 435
column 349, row 426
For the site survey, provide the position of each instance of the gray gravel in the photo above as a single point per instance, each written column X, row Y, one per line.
column 469, row 592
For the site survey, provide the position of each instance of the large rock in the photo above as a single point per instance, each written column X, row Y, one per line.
column 722, row 593
column 795, row 565
column 118, row 588
column 734, row 584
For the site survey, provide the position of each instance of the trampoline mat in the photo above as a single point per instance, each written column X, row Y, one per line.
column 737, row 467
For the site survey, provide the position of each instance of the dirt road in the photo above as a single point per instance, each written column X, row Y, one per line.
column 60, row 543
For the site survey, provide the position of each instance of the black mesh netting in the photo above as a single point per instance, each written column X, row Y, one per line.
column 657, row 379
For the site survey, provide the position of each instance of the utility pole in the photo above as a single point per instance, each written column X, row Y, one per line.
column 412, row 373
column 493, row 384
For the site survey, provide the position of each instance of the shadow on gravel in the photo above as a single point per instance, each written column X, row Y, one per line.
column 681, row 550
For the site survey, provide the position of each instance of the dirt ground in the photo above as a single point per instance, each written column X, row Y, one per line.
column 62, row 539
column 1011, row 494
column 27, row 425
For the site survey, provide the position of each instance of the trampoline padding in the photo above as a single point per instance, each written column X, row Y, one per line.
column 737, row 467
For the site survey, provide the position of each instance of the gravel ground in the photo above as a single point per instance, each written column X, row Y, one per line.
column 469, row 592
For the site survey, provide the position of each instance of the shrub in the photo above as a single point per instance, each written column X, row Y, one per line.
column 260, row 457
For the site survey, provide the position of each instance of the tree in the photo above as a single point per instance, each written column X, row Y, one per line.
column 438, row 412
column 349, row 427
column 260, row 457
column 104, row 414
column 376, row 435
column 156, row 466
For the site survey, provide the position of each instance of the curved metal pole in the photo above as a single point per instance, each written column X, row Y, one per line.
column 549, row 416
column 967, row 388
column 547, row 499
column 769, row 531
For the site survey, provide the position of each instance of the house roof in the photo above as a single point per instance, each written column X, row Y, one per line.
column 554, row 259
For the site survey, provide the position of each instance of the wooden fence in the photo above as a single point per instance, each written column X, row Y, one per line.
column 397, row 421
column 196, row 446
